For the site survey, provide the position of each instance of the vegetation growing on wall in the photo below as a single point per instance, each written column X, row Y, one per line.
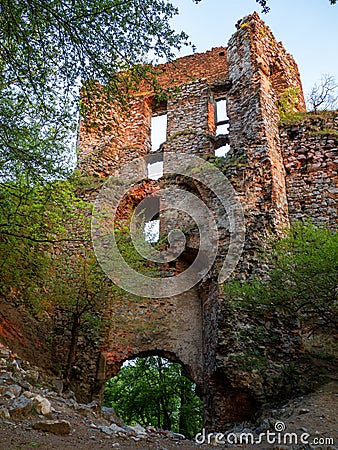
column 301, row 282
column 288, row 101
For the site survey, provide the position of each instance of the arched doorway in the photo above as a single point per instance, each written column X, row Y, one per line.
column 152, row 390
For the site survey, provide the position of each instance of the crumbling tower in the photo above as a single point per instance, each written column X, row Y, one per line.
column 224, row 101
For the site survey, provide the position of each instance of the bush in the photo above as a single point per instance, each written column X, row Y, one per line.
column 302, row 280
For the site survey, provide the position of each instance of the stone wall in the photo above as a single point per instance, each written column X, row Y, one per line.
column 171, row 327
column 310, row 152
column 124, row 133
column 253, row 55
column 280, row 174
column 251, row 73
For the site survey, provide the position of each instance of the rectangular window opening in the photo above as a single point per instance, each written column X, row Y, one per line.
column 222, row 129
column 155, row 170
column 152, row 231
column 222, row 119
column 158, row 131
column 222, row 151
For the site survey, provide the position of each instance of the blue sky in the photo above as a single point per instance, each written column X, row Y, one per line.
column 308, row 29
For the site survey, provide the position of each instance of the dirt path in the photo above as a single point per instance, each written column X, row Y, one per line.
column 314, row 415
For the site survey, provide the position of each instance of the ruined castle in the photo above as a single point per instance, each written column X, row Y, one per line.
column 223, row 102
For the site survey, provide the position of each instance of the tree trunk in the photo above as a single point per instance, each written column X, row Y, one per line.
column 72, row 350
column 166, row 417
column 182, row 420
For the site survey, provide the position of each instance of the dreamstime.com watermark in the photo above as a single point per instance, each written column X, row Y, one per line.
column 217, row 219
column 279, row 436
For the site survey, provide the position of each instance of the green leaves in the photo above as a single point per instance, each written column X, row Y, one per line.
column 47, row 50
column 34, row 222
column 302, row 280
column 154, row 391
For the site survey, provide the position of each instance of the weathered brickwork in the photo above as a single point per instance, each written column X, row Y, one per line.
column 280, row 174
column 310, row 152
column 125, row 133
column 253, row 55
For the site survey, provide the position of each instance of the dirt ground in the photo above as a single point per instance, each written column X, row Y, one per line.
column 314, row 414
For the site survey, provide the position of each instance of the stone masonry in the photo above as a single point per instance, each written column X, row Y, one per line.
column 309, row 149
column 280, row 173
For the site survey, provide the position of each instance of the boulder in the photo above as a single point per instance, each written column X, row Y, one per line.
column 110, row 414
column 4, row 352
column 21, row 406
column 177, row 436
column 4, row 413
column 137, row 429
column 14, row 389
column 116, row 428
column 3, row 363
column 42, row 405
column 105, row 429
column 88, row 409
column 60, row 427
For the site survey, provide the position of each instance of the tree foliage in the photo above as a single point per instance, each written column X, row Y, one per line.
column 266, row 8
column 154, row 391
column 47, row 49
column 80, row 293
column 302, row 280
column 32, row 220
column 47, row 262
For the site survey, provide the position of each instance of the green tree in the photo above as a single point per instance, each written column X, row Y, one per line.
column 47, row 49
column 32, row 220
column 154, row 391
column 79, row 292
column 302, row 280
column 48, row 265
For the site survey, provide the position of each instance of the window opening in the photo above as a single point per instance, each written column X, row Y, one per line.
column 155, row 165
column 222, row 129
column 222, row 124
column 158, row 131
column 152, row 231
column 148, row 213
column 222, row 151
column 222, row 119
column 155, row 170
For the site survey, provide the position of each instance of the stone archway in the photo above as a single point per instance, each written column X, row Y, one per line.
column 155, row 389
column 170, row 327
